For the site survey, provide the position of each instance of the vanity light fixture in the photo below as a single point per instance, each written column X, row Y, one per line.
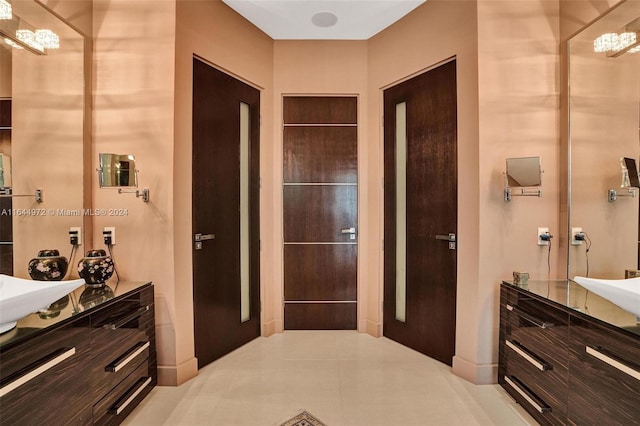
column 48, row 39
column 619, row 43
column 29, row 38
column 613, row 42
column 5, row 10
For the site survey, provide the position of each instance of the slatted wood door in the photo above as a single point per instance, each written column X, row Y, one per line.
column 421, row 211
column 320, row 196
column 226, row 185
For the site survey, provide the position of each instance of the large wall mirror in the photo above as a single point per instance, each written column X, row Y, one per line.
column 604, row 105
column 42, row 148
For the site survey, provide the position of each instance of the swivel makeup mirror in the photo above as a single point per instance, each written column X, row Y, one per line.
column 117, row 171
column 523, row 173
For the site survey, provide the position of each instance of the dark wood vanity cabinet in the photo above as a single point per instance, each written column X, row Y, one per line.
column 93, row 369
column 46, row 380
column 564, row 367
column 605, row 367
column 533, row 354
column 123, row 358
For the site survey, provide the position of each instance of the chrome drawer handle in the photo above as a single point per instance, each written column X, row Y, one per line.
column 524, row 353
column 530, row 319
column 127, row 318
column 117, row 409
column 41, row 367
column 615, row 363
column 119, row 365
column 516, row 385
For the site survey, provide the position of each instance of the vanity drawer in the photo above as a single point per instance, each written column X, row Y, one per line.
column 538, row 326
column 110, row 368
column 122, row 336
column 535, row 404
column 119, row 324
column 118, row 403
column 40, row 382
column 604, row 368
column 542, row 377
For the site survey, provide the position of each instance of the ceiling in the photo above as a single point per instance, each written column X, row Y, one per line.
column 334, row 19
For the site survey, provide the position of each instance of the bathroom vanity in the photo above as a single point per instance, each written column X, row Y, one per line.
column 89, row 359
column 568, row 356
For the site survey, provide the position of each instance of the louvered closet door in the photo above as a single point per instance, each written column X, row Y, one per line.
column 320, row 194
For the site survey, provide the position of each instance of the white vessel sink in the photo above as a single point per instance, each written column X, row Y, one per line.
column 20, row 297
column 624, row 293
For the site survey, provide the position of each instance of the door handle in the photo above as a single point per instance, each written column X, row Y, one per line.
column 199, row 238
column 451, row 238
column 350, row 231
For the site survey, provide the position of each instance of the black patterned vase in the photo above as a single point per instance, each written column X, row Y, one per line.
column 96, row 268
column 95, row 295
column 48, row 266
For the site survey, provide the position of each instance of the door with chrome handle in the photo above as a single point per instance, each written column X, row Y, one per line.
column 199, row 238
column 351, row 231
column 451, row 238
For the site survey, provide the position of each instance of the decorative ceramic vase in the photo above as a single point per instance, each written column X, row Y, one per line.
column 48, row 266
column 96, row 268
column 95, row 295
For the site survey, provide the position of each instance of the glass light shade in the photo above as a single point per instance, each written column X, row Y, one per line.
column 29, row 37
column 5, row 10
column 48, row 39
column 625, row 40
column 605, row 43
column 613, row 42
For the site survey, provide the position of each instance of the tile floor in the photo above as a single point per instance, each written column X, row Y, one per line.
column 341, row 377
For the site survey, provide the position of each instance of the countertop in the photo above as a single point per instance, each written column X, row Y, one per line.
column 579, row 300
column 84, row 299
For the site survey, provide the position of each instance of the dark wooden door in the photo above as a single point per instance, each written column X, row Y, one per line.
column 320, row 196
column 420, row 207
column 226, row 246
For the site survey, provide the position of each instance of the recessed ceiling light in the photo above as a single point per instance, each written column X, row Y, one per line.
column 324, row 19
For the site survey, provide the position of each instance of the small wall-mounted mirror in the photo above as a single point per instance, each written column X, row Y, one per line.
column 117, row 170
column 629, row 173
column 523, row 172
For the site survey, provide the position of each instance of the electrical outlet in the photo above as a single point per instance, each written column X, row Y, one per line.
column 541, row 232
column 75, row 235
column 576, row 241
column 110, row 231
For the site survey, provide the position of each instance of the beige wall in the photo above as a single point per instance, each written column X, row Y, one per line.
column 519, row 95
column 46, row 139
column 77, row 13
column 133, row 96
